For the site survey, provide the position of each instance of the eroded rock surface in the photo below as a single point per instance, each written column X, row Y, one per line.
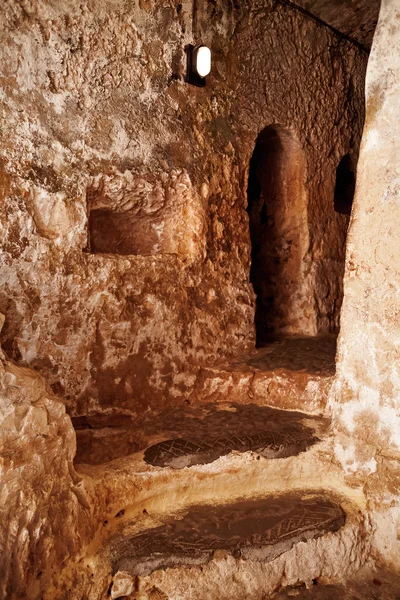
column 257, row 530
column 100, row 127
column 365, row 399
column 45, row 506
column 196, row 435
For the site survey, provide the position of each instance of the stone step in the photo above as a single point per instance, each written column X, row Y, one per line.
column 198, row 435
column 227, row 551
column 244, row 495
column 290, row 372
column 193, row 455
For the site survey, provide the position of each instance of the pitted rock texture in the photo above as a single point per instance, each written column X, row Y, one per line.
column 366, row 396
column 369, row 584
column 250, row 529
column 367, row 389
column 270, row 432
column 46, row 514
column 357, row 18
column 96, row 116
column 196, row 435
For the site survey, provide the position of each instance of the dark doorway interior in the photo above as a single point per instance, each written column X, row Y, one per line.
column 278, row 231
column 345, row 184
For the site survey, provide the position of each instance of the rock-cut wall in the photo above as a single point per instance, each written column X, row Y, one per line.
column 46, row 511
column 125, row 246
column 366, row 399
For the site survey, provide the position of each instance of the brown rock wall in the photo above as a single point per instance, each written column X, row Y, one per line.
column 357, row 18
column 93, row 99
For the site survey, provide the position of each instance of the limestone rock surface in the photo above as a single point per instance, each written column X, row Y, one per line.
column 125, row 244
column 365, row 398
column 45, row 513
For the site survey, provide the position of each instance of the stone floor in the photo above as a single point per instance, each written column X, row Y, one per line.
column 313, row 355
column 249, row 529
column 192, row 435
column 368, row 584
column 290, row 372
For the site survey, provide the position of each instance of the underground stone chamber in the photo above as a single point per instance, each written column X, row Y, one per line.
column 177, row 420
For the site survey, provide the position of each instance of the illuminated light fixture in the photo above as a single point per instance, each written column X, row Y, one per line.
column 198, row 64
column 203, row 60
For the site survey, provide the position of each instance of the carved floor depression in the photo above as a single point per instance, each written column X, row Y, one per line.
column 249, row 529
column 183, row 437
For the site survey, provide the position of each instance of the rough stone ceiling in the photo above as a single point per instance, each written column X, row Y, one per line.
column 355, row 18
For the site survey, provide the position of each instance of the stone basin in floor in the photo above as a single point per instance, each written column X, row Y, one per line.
column 190, row 435
column 258, row 530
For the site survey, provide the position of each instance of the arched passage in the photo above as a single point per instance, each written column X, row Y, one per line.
column 277, row 210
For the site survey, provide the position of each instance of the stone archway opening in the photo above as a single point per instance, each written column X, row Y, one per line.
column 277, row 209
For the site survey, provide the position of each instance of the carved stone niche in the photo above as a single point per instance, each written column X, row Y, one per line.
column 146, row 213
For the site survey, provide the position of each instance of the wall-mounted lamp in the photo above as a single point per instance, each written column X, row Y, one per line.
column 198, row 64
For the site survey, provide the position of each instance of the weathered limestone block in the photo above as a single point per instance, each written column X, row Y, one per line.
column 366, row 399
column 50, row 213
column 45, row 515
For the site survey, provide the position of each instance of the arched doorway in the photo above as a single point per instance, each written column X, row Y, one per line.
column 277, row 210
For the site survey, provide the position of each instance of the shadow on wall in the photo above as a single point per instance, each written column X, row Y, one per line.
column 277, row 209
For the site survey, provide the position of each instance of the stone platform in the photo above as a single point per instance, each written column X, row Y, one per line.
column 289, row 372
column 231, row 408
column 231, row 495
column 223, row 496
column 258, row 530
column 189, row 435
